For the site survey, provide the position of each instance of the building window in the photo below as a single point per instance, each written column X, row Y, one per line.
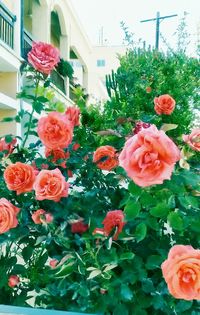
column 101, row 63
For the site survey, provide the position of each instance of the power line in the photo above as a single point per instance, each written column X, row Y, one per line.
column 158, row 19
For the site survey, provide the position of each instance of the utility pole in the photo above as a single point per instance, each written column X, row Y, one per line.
column 158, row 19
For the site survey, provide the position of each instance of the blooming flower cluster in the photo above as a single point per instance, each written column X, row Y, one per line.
column 148, row 157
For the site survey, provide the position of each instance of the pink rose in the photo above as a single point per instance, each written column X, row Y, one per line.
column 50, row 185
column 9, row 147
column 193, row 140
column 73, row 114
column 19, row 177
column 55, row 131
column 181, row 271
column 164, row 104
column 43, row 57
column 13, row 281
column 40, row 216
column 8, row 215
column 149, row 157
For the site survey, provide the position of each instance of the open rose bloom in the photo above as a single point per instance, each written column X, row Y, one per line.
column 193, row 140
column 106, row 158
column 55, row 131
column 8, row 215
column 164, row 104
column 43, row 57
column 19, row 177
column 50, row 185
column 40, row 216
column 114, row 220
column 149, row 157
column 181, row 271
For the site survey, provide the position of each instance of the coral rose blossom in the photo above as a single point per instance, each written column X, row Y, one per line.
column 8, row 147
column 57, row 154
column 19, row 177
column 13, row 281
column 53, row 263
column 193, row 140
column 149, row 157
column 105, row 157
column 76, row 146
column 50, row 185
column 55, row 131
column 8, row 215
column 114, row 219
column 79, row 227
column 164, row 104
column 40, row 216
column 43, row 57
column 73, row 114
column 181, row 271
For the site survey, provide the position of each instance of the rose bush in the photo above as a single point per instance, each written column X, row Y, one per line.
column 62, row 240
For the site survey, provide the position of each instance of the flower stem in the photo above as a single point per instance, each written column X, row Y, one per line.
column 31, row 115
column 29, row 127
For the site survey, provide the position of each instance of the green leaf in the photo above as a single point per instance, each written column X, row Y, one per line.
column 7, row 119
column 183, row 306
column 175, row 221
column 60, row 107
column 120, row 309
column 8, row 138
column 147, row 286
column 195, row 225
column 147, row 200
column 27, row 253
column 134, row 189
column 38, row 107
column 140, row 232
column 160, row 211
column 18, row 119
column 94, row 274
column 47, row 83
column 154, row 262
column 168, row 127
column 126, row 292
column 65, row 270
column 127, row 256
column 42, row 99
column 132, row 209
column 19, row 269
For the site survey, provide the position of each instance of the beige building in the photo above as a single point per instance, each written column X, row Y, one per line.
column 51, row 21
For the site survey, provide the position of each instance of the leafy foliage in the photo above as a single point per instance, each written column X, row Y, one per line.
column 95, row 273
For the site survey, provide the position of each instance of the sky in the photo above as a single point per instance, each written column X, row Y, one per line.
column 95, row 14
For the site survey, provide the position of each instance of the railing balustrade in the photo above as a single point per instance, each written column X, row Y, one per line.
column 7, row 23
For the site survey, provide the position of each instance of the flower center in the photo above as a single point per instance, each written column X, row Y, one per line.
column 188, row 276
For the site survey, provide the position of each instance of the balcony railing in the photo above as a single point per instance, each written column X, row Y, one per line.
column 27, row 44
column 58, row 81
column 56, row 78
column 7, row 21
